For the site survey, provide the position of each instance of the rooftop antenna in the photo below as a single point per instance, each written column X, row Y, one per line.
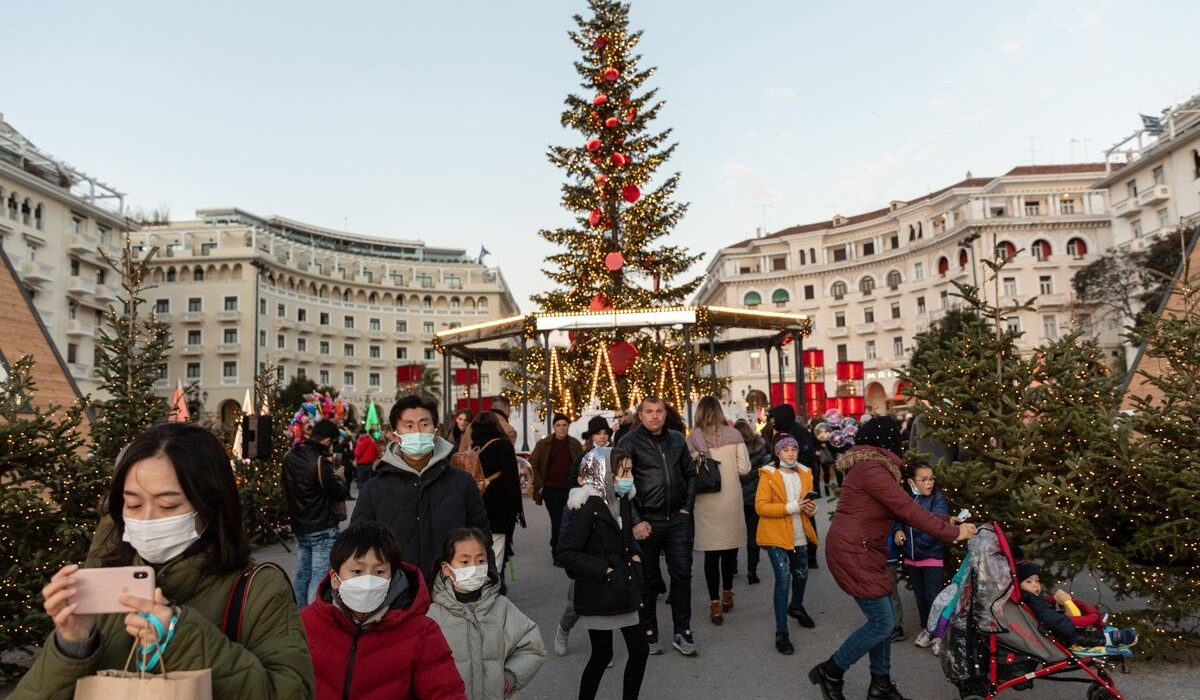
column 764, row 208
column 1032, row 150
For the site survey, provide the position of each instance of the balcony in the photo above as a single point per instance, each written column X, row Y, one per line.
column 234, row 315
column 893, row 324
column 306, row 327
column 1052, row 300
column 351, row 360
column 865, row 328
column 352, row 333
column 377, row 361
column 228, row 381
column 327, row 330
column 305, row 357
column 192, row 317
column 81, row 371
column 284, row 323
column 80, row 285
column 105, row 292
column 229, row 348
column 377, row 335
column 1126, row 207
column 1154, row 195
column 32, row 271
column 192, row 350
column 837, row 332
column 162, row 384
column 82, row 243
column 81, row 328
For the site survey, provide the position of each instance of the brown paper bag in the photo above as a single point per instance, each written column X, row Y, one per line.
column 137, row 685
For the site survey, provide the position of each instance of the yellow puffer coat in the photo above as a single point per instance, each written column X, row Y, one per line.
column 774, row 522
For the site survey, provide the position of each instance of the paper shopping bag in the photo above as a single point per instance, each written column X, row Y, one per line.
column 140, row 685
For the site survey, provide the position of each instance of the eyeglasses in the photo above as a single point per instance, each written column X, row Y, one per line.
column 925, row 480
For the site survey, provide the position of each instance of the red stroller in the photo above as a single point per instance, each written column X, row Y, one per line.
column 994, row 642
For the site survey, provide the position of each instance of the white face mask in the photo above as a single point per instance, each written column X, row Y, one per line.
column 161, row 539
column 470, row 578
column 363, row 594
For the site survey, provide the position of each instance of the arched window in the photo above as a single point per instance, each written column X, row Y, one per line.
column 963, row 258
column 894, row 279
column 399, row 301
column 482, row 303
column 752, row 299
column 170, row 274
column 866, row 285
column 198, row 274
column 427, row 302
column 780, row 296
column 373, row 298
column 838, row 290
column 1041, row 250
column 455, row 304
column 13, row 207
column 1005, row 250
column 37, row 217
column 345, row 295
column 802, row 256
column 943, row 266
column 1196, row 162
column 920, row 234
column 912, row 233
column 812, row 255
column 1077, row 248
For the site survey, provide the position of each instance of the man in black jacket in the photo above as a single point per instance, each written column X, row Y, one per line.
column 662, row 516
column 415, row 491
column 311, row 499
column 783, row 420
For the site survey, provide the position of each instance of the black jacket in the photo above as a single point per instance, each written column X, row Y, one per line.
column 310, row 507
column 592, row 543
column 761, row 456
column 502, row 500
column 784, row 418
column 662, row 474
column 1058, row 624
column 422, row 508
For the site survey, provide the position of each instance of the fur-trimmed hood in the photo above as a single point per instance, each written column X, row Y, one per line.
column 866, row 453
column 580, row 494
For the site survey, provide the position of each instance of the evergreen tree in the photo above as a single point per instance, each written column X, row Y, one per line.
column 616, row 255
column 131, row 350
column 49, row 504
column 260, row 481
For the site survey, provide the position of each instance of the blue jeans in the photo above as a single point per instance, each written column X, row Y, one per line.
column 874, row 637
column 314, row 562
column 791, row 571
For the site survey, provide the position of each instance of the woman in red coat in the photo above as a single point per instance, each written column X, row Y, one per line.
column 856, row 552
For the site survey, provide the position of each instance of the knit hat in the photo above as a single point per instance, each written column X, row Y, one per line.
column 785, row 441
column 882, row 432
column 595, row 425
column 1025, row 569
column 558, row 417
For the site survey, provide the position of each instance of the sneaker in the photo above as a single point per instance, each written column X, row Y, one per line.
column 560, row 641
column 897, row 634
column 801, row 616
column 936, row 647
column 654, row 644
column 783, row 645
column 684, row 643
column 924, row 639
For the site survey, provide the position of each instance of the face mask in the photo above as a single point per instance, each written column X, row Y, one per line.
column 363, row 594
column 470, row 578
column 416, row 444
column 624, row 485
column 915, row 491
column 161, row 539
column 787, row 465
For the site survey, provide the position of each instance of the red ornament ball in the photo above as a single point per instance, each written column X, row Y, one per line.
column 601, row 179
column 599, row 99
column 631, row 193
column 600, row 303
column 611, row 74
column 614, row 261
column 593, row 144
column 597, row 159
column 611, row 122
column 619, row 158
column 595, row 216
column 622, row 355
column 600, row 42
column 632, row 113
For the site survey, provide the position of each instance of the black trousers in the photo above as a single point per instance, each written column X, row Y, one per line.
column 555, row 500
column 602, row 653
column 752, row 550
column 672, row 539
column 719, row 568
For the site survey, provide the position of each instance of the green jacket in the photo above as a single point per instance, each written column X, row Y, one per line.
column 271, row 662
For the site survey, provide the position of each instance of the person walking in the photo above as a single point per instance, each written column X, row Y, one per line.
column 552, row 459
column 313, row 488
column 366, row 454
column 502, row 499
column 924, row 555
column 760, row 456
column 856, row 552
column 720, row 520
column 663, row 524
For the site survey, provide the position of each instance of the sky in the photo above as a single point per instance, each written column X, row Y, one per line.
column 431, row 121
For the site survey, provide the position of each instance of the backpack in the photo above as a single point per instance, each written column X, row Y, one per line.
column 468, row 461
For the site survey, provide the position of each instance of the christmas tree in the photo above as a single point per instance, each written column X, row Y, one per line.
column 615, row 257
column 260, row 481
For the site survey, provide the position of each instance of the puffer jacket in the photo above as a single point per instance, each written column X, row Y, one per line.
column 774, row 522
column 917, row 544
column 760, row 456
column 662, row 474
column 783, row 417
column 310, row 507
column 270, row 660
column 422, row 507
column 495, row 644
column 871, row 499
column 593, row 542
column 396, row 653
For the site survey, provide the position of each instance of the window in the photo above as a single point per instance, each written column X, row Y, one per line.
column 1012, row 324
column 373, row 352
column 401, row 353
column 1033, row 208
column 162, row 371
column 895, row 240
column 1066, row 206
column 918, row 270
column 348, row 322
column 870, row 349
column 1084, row 323
column 1045, row 284
column 810, row 292
column 428, row 354
column 262, row 307
column 324, row 376
column 1135, row 227
column 1163, row 217
column 838, row 290
column 802, row 256
column 912, row 233
column 868, row 248
column 921, row 310
column 866, row 285
column 302, row 315
column 869, row 314
column 348, row 349
column 752, row 299
column 100, row 276
column 839, row 254
column 229, row 336
column 323, row 347
column 374, row 324
column 1160, row 178
column 964, row 257
column 780, row 296
column 279, row 372
column 425, row 280
column 1050, row 326
column 195, row 304
column 373, row 380
column 72, row 353
column 1076, row 248
column 839, row 319
column 323, row 319
column 1010, row 286
column 842, row 355
column 1005, row 250
column 198, row 274
column 74, row 267
column 229, row 369
column 898, row 347
column 812, row 253
column 778, row 262
column 943, row 266
column 207, row 248
column 76, row 224
column 1041, row 250
column 301, row 373
column 348, row 378
column 401, row 326
column 944, row 298
column 194, row 338
column 1195, row 163
column 427, row 327
column 231, row 303
column 1131, row 189
column 895, row 309
column 193, row 370
column 162, row 306
column 427, row 303
column 301, row 344
column 262, row 340
column 756, row 361
column 893, row 279
column 280, row 311
column 280, row 341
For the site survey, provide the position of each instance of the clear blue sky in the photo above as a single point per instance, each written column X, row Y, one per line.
column 431, row 120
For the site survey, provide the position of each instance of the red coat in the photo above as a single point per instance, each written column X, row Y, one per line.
column 871, row 500
column 402, row 655
column 366, row 451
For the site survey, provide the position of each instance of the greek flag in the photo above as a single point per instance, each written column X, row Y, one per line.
column 1152, row 125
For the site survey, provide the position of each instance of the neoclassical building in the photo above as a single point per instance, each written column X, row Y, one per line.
column 872, row 281
column 241, row 291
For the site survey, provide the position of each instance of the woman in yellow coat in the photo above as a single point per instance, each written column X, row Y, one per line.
column 784, row 530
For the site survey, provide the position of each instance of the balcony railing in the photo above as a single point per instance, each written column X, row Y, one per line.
column 33, row 271
column 1126, row 207
column 229, row 381
column 82, row 328
column 105, row 292
column 1154, row 195
column 192, row 350
column 837, row 332
column 82, row 243
column 863, row 328
column 234, row 315
column 229, row 348
column 192, row 317
column 81, row 285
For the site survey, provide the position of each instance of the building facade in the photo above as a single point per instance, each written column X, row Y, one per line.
column 344, row 310
column 871, row 282
column 55, row 221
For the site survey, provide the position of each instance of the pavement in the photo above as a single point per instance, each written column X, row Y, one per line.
column 738, row 659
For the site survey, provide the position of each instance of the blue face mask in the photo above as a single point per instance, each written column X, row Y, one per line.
column 915, row 491
column 624, row 485
column 787, row 465
column 416, row 444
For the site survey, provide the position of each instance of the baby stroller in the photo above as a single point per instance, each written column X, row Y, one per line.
column 994, row 642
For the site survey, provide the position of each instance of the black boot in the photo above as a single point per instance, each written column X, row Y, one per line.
column 783, row 645
column 828, row 676
column 882, row 688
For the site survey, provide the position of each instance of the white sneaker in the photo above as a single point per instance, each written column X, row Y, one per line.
column 924, row 639
column 936, row 647
column 560, row 641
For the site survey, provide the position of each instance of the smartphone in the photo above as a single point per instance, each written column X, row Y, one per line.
column 97, row 591
column 812, row 496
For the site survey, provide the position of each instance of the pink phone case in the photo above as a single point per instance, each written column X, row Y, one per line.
column 97, row 591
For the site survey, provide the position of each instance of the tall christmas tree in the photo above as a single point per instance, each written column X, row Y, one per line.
column 615, row 257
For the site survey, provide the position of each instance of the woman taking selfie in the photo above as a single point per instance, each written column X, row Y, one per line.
column 175, row 507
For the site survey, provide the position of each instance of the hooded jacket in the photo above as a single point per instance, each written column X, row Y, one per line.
column 784, row 419
column 310, row 501
column 917, row 544
column 760, row 456
column 494, row 643
column 270, row 660
column 662, row 473
column 422, row 507
column 593, row 542
column 396, row 653
column 871, row 499
column 774, row 521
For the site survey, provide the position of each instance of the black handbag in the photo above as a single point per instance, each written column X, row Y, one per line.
column 708, row 473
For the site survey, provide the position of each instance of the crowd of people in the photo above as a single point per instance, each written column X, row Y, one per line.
column 408, row 598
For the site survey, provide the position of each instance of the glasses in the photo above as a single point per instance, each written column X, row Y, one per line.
column 925, row 480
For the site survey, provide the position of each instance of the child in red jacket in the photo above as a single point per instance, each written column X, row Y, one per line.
column 368, row 633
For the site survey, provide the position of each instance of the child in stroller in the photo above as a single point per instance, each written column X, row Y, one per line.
column 1072, row 630
column 995, row 642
